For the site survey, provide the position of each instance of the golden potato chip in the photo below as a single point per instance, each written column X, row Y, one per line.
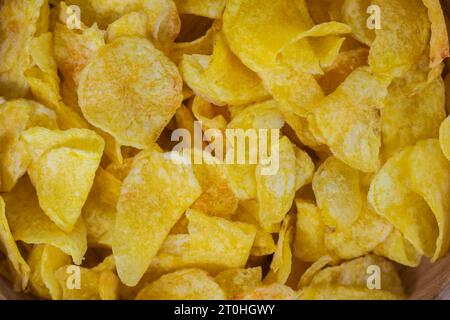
column 18, row 25
column 275, row 193
column 439, row 35
column 44, row 261
column 99, row 211
column 340, row 292
column 310, row 231
column 152, row 199
column 444, row 137
column 402, row 38
column 348, row 121
column 264, row 115
column 263, row 244
column 213, row 244
column 354, row 13
column 281, row 264
column 304, row 168
column 313, row 269
column 398, row 249
column 131, row 24
column 188, row 284
column 221, row 78
column 273, row 291
column 30, row 224
column 63, row 162
column 236, row 282
column 206, row 113
column 15, row 117
column 134, row 114
column 210, row 8
column 120, row 170
column 21, row 270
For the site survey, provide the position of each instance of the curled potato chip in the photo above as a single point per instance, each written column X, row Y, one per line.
column 128, row 109
column 304, row 168
column 409, row 118
column 356, row 137
column 18, row 25
column 21, row 270
column 264, row 244
column 131, row 24
column 275, row 193
column 99, row 211
column 439, row 36
column 213, row 244
column 152, row 199
column 30, row 224
column 188, row 284
column 210, row 8
column 15, row 117
column 444, row 137
column 204, row 112
column 403, row 193
column 221, row 78
column 340, row 292
column 237, row 282
column 398, row 249
column 354, row 13
column 44, row 261
column 402, row 38
column 63, row 162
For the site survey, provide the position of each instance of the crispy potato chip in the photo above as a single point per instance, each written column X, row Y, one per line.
column 221, row 78
column 263, row 245
column 152, row 199
column 30, row 224
column 188, row 284
column 407, row 119
column 210, row 8
column 15, row 117
column 120, row 170
column 275, row 193
column 214, row 244
column 398, row 249
column 99, row 211
column 21, row 270
column 354, row 13
column 18, row 25
column 63, row 162
column 131, row 24
column 402, row 38
column 273, row 291
column 44, row 261
column 340, row 292
column 313, row 269
column 134, row 114
column 439, row 35
column 304, row 168
column 237, row 282
column 444, row 137
column 348, row 121
column 206, row 113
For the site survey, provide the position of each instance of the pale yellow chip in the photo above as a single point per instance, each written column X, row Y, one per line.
column 44, row 261
column 30, row 224
column 152, row 199
column 152, row 85
column 210, row 8
column 221, row 78
column 208, row 114
column 131, row 24
column 188, row 284
column 354, row 13
column 21, row 270
column 120, row 170
column 63, row 162
column 213, row 244
column 444, row 137
column 18, row 24
column 398, row 249
column 236, row 282
column 15, row 117
column 273, row 291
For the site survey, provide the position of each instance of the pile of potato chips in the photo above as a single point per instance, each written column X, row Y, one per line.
column 92, row 205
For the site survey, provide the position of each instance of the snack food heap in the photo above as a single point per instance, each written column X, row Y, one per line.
column 93, row 205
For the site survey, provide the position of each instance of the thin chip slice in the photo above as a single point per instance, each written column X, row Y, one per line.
column 444, row 137
column 237, row 282
column 131, row 24
column 398, row 249
column 153, row 198
column 439, row 36
column 140, row 90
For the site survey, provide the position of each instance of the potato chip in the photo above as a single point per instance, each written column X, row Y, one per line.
column 407, row 119
column 263, row 244
column 398, row 249
column 213, row 244
column 134, row 116
column 210, row 8
column 348, row 121
column 188, row 284
column 402, row 38
column 44, row 261
column 15, row 117
column 445, row 137
column 63, row 162
column 273, row 291
column 340, row 292
column 354, row 13
column 207, row 114
column 221, row 78
column 281, row 264
column 132, row 24
column 143, row 222
column 439, row 35
column 310, row 231
column 304, row 168
column 313, row 269
column 237, row 282
column 18, row 25
column 21, row 270
column 99, row 211
column 275, row 193
column 30, row 224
